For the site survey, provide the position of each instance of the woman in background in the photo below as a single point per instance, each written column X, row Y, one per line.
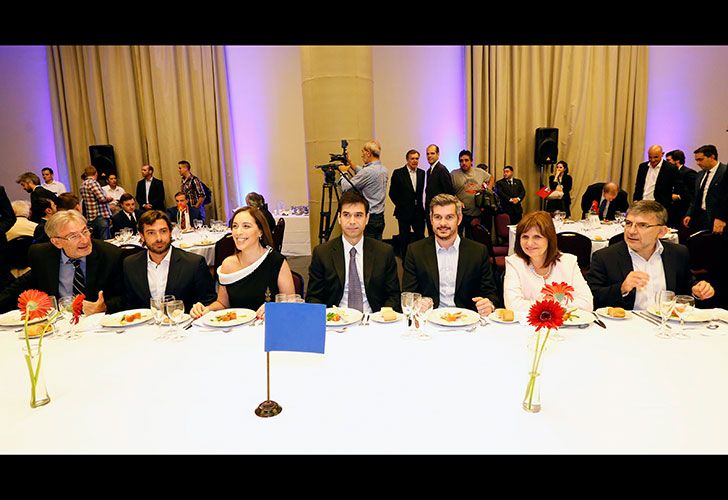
column 560, row 181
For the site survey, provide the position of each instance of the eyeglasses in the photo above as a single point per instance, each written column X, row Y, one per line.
column 74, row 237
column 640, row 226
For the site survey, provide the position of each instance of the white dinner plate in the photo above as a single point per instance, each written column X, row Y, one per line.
column 347, row 316
column 494, row 317
column 377, row 316
column 217, row 318
column 12, row 318
column 697, row 316
column 464, row 318
column 602, row 311
column 579, row 317
column 168, row 322
column 118, row 320
column 50, row 332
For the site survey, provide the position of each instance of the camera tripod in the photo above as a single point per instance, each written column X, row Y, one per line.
column 326, row 224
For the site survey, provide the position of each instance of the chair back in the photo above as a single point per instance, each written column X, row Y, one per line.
column 576, row 244
column 616, row 239
column 278, row 234
column 223, row 249
column 501, row 226
column 17, row 252
column 705, row 253
column 298, row 283
column 129, row 249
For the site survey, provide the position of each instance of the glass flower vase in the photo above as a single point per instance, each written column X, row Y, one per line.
column 38, row 391
column 532, row 399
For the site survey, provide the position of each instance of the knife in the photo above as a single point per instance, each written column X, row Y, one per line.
column 600, row 323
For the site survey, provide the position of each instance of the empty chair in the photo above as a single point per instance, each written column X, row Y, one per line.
column 576, row 244
column 501, row 228
column 278, row 234
column 16, row 252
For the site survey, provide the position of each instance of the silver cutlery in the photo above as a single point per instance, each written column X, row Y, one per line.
column 650, row 319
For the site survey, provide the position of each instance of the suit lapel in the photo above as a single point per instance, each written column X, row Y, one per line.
column 54, row 271
column 624, row 261
column 461, row 266
column 92, row 271
column 337, row 250
column 431, row 263
column 668, row 263
column 369, row 258
column 174, row 266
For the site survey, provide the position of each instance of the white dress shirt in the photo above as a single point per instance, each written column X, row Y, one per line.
column 157, row 275
column 114, row 193
column 55, row 187
column 359, row 269
column 710, row 174
column 147, row 184
column 522, row 284
column 651, row 181
column 413, row 178
column 646, row 297
column 447, row 267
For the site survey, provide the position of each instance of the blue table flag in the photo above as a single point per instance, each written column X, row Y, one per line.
column 291, row 326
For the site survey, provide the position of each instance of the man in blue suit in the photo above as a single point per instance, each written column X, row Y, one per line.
column 128, row 216
column 182, row 214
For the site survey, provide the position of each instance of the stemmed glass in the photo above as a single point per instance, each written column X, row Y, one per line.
column 157, row 305
column 422, row 313
column 409, row 299
column 665, row 304
column 197, row 224
column 176, row 312
column 65, row 305
column 619, row 217
column 684, row 305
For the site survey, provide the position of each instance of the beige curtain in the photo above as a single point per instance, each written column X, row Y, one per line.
column 595, row 96
column 155, row 105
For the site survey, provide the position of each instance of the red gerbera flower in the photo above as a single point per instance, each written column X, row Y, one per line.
column 34, row 304
column 77, row 307
column 594, row 207
column 558, row 292
column 546, row 314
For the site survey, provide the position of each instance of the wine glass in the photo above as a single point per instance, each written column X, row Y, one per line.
column 157, row 305
column 684, row 305
column 197, row 224
column 65, row 305
column 176, row 311
column 407, row 298
column 422, row 313
column 665, row 300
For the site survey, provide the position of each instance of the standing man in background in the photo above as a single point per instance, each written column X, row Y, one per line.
column 511, row 192
column 54, row 187
column 405, row 191
column 96, row 203
column 437, row 180
column 467, row 181
column 682, row 191
column 656, row 179
column 115, row 191
column 150, row 191
column 192, row 187
column 31, row 183
column 371, row 181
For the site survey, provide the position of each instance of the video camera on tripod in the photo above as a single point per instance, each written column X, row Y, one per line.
column 329, row 190
column 329, row 169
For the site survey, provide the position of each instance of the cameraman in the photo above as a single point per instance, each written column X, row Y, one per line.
column 371, row 181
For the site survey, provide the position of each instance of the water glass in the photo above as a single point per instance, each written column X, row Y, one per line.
column 665, row 300
column 422, row 313
column 684, row 305
column 175, row 310
column 197, row 224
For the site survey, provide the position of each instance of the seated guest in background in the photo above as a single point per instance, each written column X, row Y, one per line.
column 163, row 269
column 182, row 214
column 656, row 178
column 23, row 226
column 7, row 220
column 454, row 272
column 682, row 192
column 709, row 206
column 54, row 187
column 609, row 198
column 128, row 216
column 48, row 208
column 406, row 190
column 31, row 183
column 70, row 264
column 69, row 201
column 560, row 181
column 536, row 262
column 352, row 270
column 630, row 273
column 256, row 200
column 511, row 192
column 491, row 181
column 150, row 190
column 467, row 181
column 115, row 191
column 256, row 273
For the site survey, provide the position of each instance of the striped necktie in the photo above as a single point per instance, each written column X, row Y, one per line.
column 79, row 280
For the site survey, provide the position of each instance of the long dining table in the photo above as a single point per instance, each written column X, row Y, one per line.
column 615, row 390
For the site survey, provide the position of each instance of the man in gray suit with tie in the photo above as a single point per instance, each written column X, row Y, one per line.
column 709, row 206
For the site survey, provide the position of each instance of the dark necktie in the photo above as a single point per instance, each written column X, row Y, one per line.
column 602, row 208
column 79, row 280
column 703, row 184
column 182, row 222
column 355, row 298
column 132, row 218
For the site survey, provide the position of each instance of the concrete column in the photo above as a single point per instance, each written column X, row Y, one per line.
column 337, row 104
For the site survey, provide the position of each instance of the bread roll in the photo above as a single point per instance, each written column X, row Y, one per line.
column 616, row 312
column 505, row 314
column 388, row 314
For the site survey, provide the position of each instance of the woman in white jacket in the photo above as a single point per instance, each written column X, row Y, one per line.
column 538, row 262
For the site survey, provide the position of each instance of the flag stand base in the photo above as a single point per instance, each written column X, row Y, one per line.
column 268, row 408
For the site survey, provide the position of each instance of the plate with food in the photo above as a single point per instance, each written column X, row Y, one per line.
column 577, row 317
column 35, row 330
column 386, row 315
column 501, row 315
column 614, row 313
column 229, row 317
column 340, row 316
column 453, row 316
column 126, row 319
column 696, row 316
column 168, row 322
column 12, row 318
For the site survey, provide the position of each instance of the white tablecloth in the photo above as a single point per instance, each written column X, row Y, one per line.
column 297, row 236
column 190, row 238
column 599, row 236
column 620, row 390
